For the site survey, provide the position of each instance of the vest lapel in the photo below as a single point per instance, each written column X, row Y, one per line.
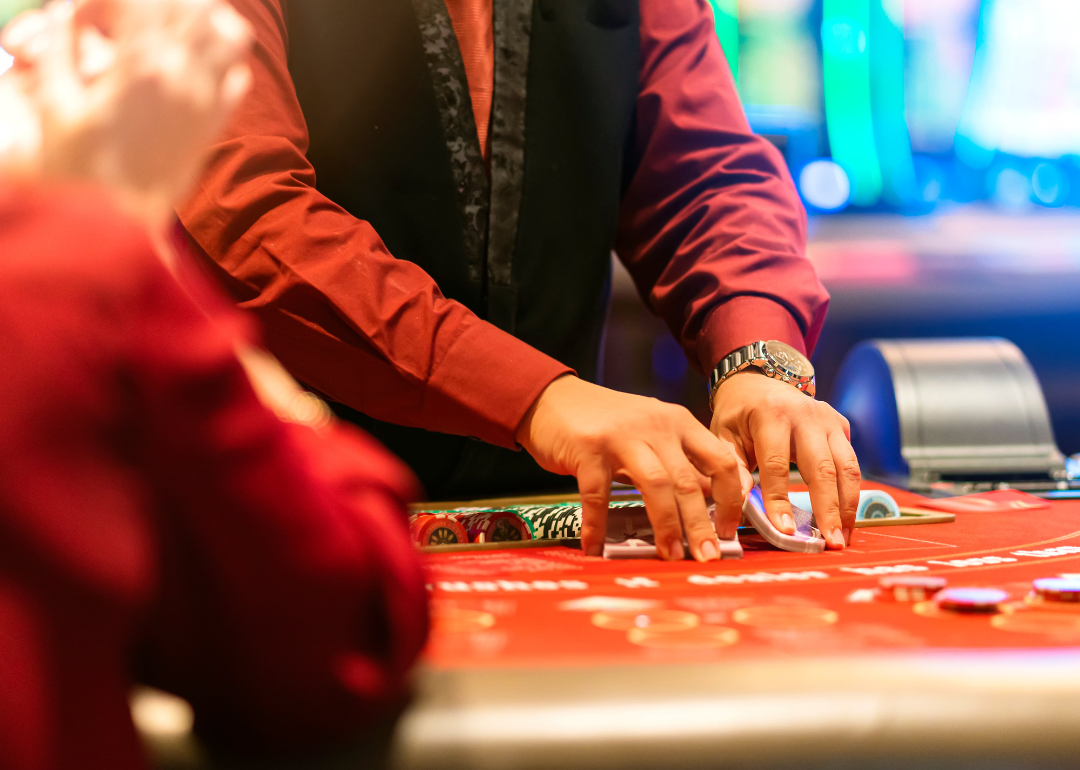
column 513, row 27
column 489, row 210
column 459, row 127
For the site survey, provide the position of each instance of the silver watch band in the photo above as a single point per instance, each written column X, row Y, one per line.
column 735, row 361
column 754, row 354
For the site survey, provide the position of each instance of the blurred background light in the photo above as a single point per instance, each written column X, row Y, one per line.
column 1049, row 184
column 845, row 41
column 1024, row 96
column 824, row 185
column 920, row 102
column 939, row 38
column 887, row 98
column 1010, row 187
column 930, row 178
column 780, row 75
column 5, row 61
column 668, row 360
column 780, row 67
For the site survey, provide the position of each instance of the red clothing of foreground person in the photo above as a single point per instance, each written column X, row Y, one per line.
column 155, row 517
column 710, row 228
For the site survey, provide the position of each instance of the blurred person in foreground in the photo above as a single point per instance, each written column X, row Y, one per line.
column 173, row 509
column 420, row 198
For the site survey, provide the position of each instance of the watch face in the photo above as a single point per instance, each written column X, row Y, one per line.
column 788, row 360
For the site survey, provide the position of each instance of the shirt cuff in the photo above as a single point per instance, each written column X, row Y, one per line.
column 741, row 321
column 493, row 377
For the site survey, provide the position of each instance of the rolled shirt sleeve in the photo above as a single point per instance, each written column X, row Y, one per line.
column 342, row 314
column 711, row 227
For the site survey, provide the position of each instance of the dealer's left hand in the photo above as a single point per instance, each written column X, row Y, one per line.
column 771, row 424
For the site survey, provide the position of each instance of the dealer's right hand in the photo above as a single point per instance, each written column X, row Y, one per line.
column 600, row 435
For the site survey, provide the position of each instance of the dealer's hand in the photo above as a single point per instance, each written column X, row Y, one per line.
column 770, row 424
column 598, row 435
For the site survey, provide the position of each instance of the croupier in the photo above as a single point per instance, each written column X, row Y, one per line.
column 419, row 199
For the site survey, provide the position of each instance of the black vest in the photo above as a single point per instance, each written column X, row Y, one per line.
column 394, row 142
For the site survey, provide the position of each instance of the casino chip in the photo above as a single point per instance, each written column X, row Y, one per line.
column 909, row 588
column 971, row 599
column 1057, row 589
column 494, row 526
column 551, row 522
column 561, row 520
column 437, row 529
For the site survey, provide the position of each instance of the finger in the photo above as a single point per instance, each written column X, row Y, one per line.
column 718, row 459
column 771, row 434
column 26, row 36
column 60, row 83
column 845, row 424
column 97, row 54
column 657, row 489
column 814, row 457
column 847, row 468
column 594, row 485
column 693, row 513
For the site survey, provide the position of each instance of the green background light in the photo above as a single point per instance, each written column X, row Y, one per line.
column 845, row 40
column 726, row 19
column 887, row 101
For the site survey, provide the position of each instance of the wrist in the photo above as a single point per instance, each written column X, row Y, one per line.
column 524, row 428
column 725, row 387
column 773, row 358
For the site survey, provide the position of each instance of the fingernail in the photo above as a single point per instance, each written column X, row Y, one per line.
column 709, row 551
column 595, row 549
column 788, row 522
column 836, row 538
column 675, row 550
column 847, row 536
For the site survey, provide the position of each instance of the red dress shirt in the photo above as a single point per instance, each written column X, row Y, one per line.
column 154, row 515
column 711, row 230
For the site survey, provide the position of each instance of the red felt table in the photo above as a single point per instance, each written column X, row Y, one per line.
column 521, row 672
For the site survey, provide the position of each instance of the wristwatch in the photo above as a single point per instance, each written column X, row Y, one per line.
column 774, row 358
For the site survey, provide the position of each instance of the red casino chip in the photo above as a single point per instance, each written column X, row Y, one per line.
column 971, row 599
column 909, row 588
column 437, row 529
column 1057, row 589
column 494, row 527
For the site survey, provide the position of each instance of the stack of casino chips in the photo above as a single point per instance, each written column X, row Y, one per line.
column 552, row 522
column 559, row 521
column 469, row 526
column 495, row 526
column 1060, row 591
column 971, row 600
column 909, row 588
